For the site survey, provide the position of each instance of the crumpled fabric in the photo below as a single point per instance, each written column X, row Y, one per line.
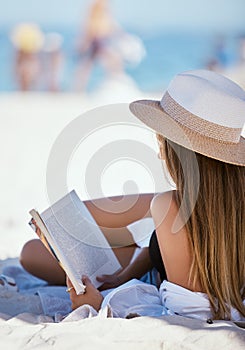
column 181, row 301
column 134, row 298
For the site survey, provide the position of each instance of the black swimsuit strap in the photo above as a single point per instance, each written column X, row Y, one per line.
column 155, row 256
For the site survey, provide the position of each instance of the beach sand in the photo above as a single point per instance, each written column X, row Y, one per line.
column 29, row 125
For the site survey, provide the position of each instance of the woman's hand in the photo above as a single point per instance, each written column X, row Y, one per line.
column 91, row 296
column 110, row 281
column 136, row 269
column 37, row 229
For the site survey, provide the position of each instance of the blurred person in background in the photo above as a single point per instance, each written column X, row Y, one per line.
column 105, row 41
column 95, row 43
column 239, row 70
column 219, row 60
column 53, row 59
column 236, row 70
column 28, row 40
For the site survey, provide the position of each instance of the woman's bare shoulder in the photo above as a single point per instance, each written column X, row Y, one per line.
column 163, row 196
column 164, row 207
column 173, row 244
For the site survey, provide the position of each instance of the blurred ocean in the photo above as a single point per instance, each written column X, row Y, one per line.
column 167, row 53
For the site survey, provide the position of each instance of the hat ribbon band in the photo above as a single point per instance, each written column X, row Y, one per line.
column 197, row 124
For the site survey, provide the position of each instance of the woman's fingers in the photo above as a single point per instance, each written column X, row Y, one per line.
column 70, row 288
column 38, row 231
column 68, row 282
column 103, row 278
column 86, row 279
column 109, row 281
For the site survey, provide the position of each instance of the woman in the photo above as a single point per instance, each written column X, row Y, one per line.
column 28, row 40
column 198, row 246
column 97, row 44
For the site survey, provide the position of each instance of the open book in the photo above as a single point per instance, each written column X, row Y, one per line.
column 70, row 232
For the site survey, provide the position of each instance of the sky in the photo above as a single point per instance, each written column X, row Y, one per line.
column 141, row 15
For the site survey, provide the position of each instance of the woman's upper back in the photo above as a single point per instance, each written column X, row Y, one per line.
column 174, row 246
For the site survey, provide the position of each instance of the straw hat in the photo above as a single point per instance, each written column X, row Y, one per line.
column 202, row 111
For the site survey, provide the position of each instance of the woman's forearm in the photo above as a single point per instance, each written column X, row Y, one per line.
column 120, row 211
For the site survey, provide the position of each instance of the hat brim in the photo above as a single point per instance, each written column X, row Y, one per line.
column 152, row 114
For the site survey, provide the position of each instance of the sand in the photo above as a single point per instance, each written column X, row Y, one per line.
column 170, row 333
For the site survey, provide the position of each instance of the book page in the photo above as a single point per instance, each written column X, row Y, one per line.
column 78, row 241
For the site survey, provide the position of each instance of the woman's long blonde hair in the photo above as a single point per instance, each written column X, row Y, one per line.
column 216, row 225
